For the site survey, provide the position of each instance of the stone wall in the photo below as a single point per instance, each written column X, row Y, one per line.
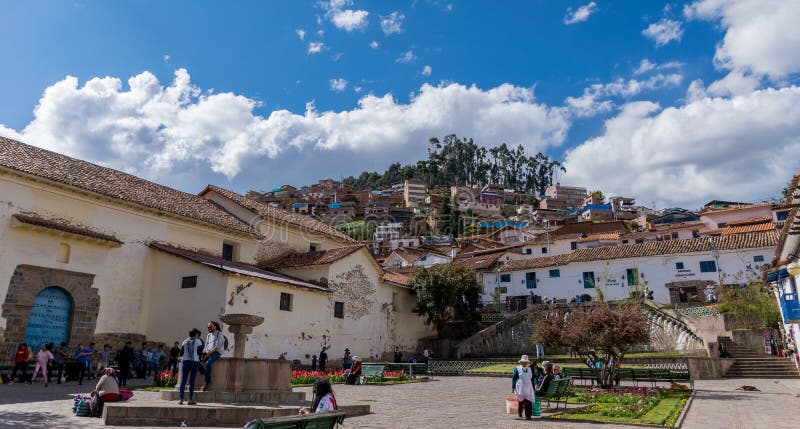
column 26, row 282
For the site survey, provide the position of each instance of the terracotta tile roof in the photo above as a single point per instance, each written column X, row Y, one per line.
column 595, row 237
column 652, row 248
column 509, row 248
column 751, row 221
column 296, row 219
column 64, row 226
column 241, row 268
column 114, row 184
column 744, row 229
column 480, row 262
column 395, row 277
column 321, row 257
column 590, row 228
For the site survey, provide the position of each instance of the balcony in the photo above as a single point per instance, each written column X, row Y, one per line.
column 790, row 307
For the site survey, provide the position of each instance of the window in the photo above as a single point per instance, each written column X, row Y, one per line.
column 286, row 301
column 758, row 258
column 555, row 273
column 312, row 247
column 695, row 233
column 633, row 276
column 528, row 251
column 188, row 282
column 674, row 235
column 722, row 225
column 781, row 215
column 679, row 265
column 502, row 289
column 588, row 280
column 530, row 280
column 227, row 251
column 544, row 250
column 708, row 267
column 338, row 310
column 505, row 278
column 573, row 245
column 624, row 241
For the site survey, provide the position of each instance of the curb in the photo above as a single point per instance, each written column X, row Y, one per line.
column 682, row 417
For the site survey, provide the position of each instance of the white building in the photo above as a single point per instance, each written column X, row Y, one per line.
column 389, row 231
column 665, row 266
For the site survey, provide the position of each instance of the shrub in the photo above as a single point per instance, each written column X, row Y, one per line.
column 165, row 379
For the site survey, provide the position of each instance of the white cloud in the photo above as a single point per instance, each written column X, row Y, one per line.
column 350, row 20
column 735, row 83
column 580, row 14
column 356, row 89
column 449, row 7
column 646, row 66
column 393, row 23
column 406, row 57
column 426, row 71
column 301, row 33
column 595, row 98
column 338, row 84
column 337, row 56
column 664, row 31
column 315, row 47
column 373, row 44
column 320, row 33
column 166, row 58
column 761, row 36
column 743, row 148
column 181, row 131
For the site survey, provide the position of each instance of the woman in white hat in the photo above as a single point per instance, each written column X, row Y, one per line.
column 522, row 386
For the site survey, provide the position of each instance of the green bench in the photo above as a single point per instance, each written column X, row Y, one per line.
column 411, row 369
column 557, row 391
column 327, row 420
column 636, row 375
column 371, row 372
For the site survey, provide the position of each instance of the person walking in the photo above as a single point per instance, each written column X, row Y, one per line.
column 174, row 354
column 314, row 363
column 90, row 361
column 42, row 358
column 59, row 358
column 189, row 365
column 104, row 361
column 82, row 356
column 522, row 387
column 124, row 359
column 397, row 356
column 21, row 358
column 212, row 348
column 323, row 359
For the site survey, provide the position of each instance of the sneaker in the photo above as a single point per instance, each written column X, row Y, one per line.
column 45, row 384
column 180, row 402
column 192, row 402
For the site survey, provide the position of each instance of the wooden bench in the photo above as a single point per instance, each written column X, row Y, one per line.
column 327, row 420
column 371, row 371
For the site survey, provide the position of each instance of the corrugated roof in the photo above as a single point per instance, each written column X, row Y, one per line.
column 233, row 267
column 652, row 248
column 113, row 184
column 279, row 215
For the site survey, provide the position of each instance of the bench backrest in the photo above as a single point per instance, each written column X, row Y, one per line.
column 372, row 370
column 306, row 421
column 563, row 387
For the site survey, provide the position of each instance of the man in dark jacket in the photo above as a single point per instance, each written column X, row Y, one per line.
column 548, row 377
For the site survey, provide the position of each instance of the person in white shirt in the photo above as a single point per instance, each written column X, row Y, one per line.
column 42, row 358
column 212, row 349
column 324, row 400
column 190, row 363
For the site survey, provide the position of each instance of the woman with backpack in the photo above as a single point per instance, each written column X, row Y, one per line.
column 190, row 362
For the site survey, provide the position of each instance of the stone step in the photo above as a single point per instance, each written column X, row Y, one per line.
column 215, row 415
column 269, row 397
column 767, row 376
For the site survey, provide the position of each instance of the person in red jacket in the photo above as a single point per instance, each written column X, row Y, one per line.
column 355, row 371
column 21, row 362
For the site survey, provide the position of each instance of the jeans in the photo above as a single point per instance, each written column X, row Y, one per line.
column 188, row 371
column 23, row 367
column 210, row 361
column 539, row 351
column 123, row 374
column 172, row 366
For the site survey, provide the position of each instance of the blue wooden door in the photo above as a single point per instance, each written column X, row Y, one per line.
column 49, row 319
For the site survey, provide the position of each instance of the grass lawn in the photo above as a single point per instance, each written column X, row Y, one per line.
column 669, row 353
column 153, row 388
column 665, row 412
column 509, row 368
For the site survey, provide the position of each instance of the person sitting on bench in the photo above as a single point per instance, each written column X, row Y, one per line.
column 548, row 376
column 355, row 370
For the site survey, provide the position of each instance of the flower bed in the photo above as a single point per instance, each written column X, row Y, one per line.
column 303, row 377
column 165, row 379
column 639, row 405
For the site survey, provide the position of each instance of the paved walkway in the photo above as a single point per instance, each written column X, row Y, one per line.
column 448, row 402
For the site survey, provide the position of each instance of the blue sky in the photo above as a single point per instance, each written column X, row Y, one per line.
column 637, row 98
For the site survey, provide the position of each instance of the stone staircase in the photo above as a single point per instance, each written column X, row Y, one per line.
column 751, row 364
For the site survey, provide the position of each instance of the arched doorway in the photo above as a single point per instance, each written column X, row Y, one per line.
column 50, row 317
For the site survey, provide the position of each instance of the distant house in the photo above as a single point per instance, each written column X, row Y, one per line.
column 406, row 257
column 596, row 212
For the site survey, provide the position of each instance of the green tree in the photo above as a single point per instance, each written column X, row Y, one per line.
column 754, row 304
column 444, row 218
column 446, row 292
column 601, row 334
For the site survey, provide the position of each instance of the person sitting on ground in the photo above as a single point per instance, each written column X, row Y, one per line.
column 548, row 377
column 355, row 370
column 324, row 400
column 107, row 387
